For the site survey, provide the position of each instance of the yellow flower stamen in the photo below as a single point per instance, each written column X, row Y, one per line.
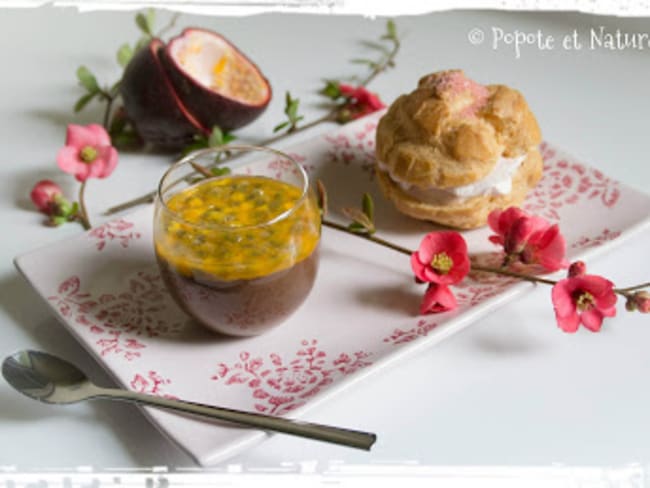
column 585, row 301
column 88, row 154
column 442, row 263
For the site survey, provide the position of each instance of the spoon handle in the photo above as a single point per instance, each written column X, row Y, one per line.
column 335, row 435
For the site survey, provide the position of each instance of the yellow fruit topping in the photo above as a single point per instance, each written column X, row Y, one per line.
column 237, row 227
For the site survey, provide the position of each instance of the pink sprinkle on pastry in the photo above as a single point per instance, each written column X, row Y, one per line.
column 454, row 83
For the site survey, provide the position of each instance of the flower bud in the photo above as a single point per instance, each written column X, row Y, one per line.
column 641, row 301
column 577, row 268
column 45, row 195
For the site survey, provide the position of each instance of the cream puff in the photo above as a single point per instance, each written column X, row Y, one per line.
column 453, row 150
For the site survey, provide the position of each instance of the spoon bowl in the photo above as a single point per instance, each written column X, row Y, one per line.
column 50, row 379
column 45, row 377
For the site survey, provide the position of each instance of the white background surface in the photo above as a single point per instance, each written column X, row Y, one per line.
column 512, row 389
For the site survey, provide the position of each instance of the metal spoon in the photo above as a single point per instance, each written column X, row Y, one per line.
column 50, row 379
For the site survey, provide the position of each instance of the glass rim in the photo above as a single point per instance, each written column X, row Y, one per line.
column 186, row 160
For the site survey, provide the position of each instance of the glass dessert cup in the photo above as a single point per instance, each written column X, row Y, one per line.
column 239, row 250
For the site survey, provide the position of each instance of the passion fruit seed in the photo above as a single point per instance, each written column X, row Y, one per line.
column 248, row 246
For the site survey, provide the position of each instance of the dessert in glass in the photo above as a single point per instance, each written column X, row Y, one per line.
column 238, row 250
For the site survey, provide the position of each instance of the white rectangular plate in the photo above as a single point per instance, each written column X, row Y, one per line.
column 361, row 316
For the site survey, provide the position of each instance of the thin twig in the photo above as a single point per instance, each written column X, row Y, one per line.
column 83, row 212
column 387, row 62
column 408, row 252
column 513, row 274
column 623, row 291
column 107, row 110
column 170, row 25
column 201, row 169
column 369, row 237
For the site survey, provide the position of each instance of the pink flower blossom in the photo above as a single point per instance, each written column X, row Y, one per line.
column 45, row 196
column 361, row 101
column 87, row 152
column 437, row 298
column 441, row 258
column 585, row 299
column 529, row 239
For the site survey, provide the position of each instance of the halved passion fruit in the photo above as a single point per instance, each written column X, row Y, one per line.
column 216, row 82
column 197, row 81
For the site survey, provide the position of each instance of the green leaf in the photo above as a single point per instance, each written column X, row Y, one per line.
column 292, row 109
column 332, row 89
column 368, row 206
column 83, row 101
column 194, row 146
column 124, row 139
column 64, row 207
column 87, row 79
column 74, row 210
column 145, row 22
column 391, row 30
column 228, row 137
column 216, row 137
column 280, row 126
column 58, row 220
column 220, row 171
column 151, row 19
column 124, row 55
column 357, row 227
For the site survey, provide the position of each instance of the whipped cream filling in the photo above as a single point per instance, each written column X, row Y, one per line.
column 497, row 182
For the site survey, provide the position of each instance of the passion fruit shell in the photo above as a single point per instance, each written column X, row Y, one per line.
column 151, row 102
column 199, row 80
column 215, row 81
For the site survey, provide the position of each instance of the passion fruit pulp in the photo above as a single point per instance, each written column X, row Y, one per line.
column 199, row 80
column 216, row 82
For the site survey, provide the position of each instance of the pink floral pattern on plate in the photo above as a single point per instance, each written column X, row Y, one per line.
column 401, row 336
column 279, row 385
column 357, row 147
column 120, row 231
column 142, row 309
column 567, row 183
column 280, row 166
column 585, row 242
column 152, row 383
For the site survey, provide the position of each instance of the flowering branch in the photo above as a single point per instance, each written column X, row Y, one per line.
column 348, row 103
column 442, row 260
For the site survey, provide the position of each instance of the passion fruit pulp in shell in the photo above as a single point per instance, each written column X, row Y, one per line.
column 199, row 80
column 217, row 83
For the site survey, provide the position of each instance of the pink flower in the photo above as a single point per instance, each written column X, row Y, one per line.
column 585, row 299
column 46, row 195
column 437, row 298
column 361, row 101
column 87, row 152
column 441, row 258
column 529, row 239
